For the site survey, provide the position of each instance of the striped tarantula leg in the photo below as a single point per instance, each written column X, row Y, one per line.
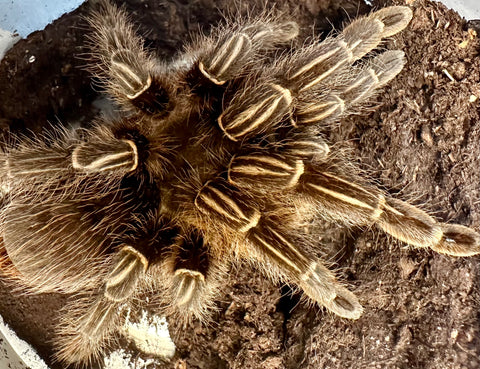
column 221, row 201
column 33, row 160
column 129, row 266
column 267, row 34
column 105, row 154
column 310, row 147
column 415, row 227
column 190, row 268
column 342, row 199
column 316, row 66
column 125, row 70
column 318, row 283
column 229, row 56
column 84, row 329
column 257, row 112
column 259, row 172
column 88, row 325
column 365, row 205
column 312, row 109
column 381, row 70
column 193, row 275
column 365, row 34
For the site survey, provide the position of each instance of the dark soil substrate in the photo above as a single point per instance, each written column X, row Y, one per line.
column 422, row 143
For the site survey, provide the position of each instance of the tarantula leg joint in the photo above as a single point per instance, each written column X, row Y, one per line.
column 227, row 59
column 187, row 282
column 253, row 170
column 130, row 266
column 308, row 148
column 133, row 80
column 315, row 112
column 268, row 105
column 112, row 155
column 220, row 200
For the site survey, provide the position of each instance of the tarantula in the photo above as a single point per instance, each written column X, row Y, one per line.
column 217, row 157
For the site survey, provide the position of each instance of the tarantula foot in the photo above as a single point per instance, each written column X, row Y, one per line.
column 121, row 282
column 345, row 304
column 313, row 111
column 394, row 19
column 363, row 35
column 320, row 285
column 458, row 240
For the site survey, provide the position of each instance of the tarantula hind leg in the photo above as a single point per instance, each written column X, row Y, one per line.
column 273, row 246
column 276, row 247
column 362, row 205
column 87, row 325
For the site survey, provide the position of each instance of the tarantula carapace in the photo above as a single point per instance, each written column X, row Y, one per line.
column 217, row 157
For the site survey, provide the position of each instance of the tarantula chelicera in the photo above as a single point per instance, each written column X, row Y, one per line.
column 217, row 157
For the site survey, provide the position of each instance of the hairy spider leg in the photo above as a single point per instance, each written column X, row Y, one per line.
column 125, row 70
column 316, row 83
column 270, row 243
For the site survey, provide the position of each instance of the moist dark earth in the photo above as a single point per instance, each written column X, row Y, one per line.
column 420, row 141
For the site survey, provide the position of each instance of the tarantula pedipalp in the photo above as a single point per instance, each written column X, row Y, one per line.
column 214, row 159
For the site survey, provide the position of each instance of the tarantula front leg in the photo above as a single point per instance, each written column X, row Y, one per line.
column 275, row 247
column 318, row 82
column 225, row 59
